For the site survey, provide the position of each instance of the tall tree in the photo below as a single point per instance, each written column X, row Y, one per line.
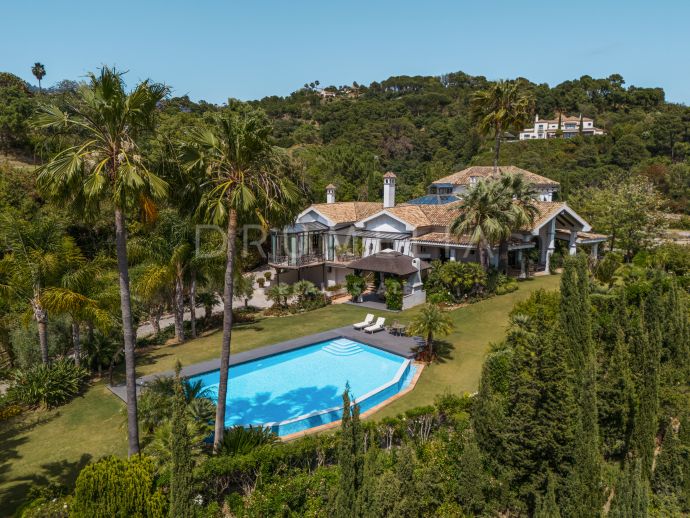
column 37, row 253
column 107, row 165
column 519, row 199
column 181, row 488
column 39, row 72
column 483, row 218
column 504, row 105
column 350, row 460
column 241, row 179
column 585, row 490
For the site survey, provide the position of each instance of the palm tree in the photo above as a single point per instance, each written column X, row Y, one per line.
column 107, row 165
column 167, row 253
column 77, row 295
column 502, row 106
column 241, row 178
column 36, row 254
column 280, row 293
column 431, row 321
column 483, row 217
column 519, row 198
column 39, row 72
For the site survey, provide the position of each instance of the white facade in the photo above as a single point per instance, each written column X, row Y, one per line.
column 569, row 127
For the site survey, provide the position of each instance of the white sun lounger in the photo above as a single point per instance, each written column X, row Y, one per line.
column 368, row 320
column 378, row 326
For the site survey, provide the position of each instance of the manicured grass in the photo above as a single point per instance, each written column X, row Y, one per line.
column 476, row 326
column 53, row 446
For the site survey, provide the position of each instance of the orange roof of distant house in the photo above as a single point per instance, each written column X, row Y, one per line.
column 481, row 171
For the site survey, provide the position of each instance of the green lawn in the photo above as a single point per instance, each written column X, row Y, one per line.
column 53, row 446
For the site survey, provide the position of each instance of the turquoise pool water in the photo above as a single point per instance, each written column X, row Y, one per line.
column 302, row 388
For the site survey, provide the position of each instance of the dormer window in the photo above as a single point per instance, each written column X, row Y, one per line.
column 474, row 180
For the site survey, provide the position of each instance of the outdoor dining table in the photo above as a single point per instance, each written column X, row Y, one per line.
column 398, row 329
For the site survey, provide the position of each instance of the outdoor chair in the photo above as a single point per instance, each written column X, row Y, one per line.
column 368, row 320
column 378, row 326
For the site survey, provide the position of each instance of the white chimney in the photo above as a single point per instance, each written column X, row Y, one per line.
column 330, row 193
column 388, row 190
column 536, row 118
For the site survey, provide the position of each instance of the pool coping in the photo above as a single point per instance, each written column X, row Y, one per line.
column 419, row 367
column 399, row 345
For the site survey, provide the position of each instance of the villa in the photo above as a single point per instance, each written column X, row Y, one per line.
column 563, row 125
column 331, row 240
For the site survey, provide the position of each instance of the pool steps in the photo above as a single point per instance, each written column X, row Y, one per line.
column 343, row 347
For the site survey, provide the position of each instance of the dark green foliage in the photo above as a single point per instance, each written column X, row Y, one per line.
column 181, row 479
column 453, row 281
column 350, row 460
column 355, row 285
column 394, row 294
column 240, row 440
column 115, row 487
column 472, row 481
column 48, row 385
column 547, row 507
column 631, row 499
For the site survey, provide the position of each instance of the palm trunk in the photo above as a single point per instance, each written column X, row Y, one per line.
column 192, row 302
column 208, row 312
column 227, row 331
column 497, row 149
column 430, row 346
column 128, row 332
column 178, row 307
column 41, row 317
column 155, row 318
column 89, row 332
column 503, row 256
column 76, row 342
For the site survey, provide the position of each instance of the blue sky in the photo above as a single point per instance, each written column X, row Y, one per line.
column 213, row 49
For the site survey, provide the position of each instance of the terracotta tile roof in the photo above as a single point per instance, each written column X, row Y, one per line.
column 445, row 238
column 347, row 211
column 586, row 236
column 547, row 210
column 426, row 215
column 482, row 171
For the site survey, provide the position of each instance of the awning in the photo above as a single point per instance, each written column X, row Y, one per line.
column 389, row 262
column 309, row 226
column 374, row 234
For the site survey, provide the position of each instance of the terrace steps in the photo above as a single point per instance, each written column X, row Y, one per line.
column 343, row 347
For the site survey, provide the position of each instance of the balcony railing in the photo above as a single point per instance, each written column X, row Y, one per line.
column 296, row 261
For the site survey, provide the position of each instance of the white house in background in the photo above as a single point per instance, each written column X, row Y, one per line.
column 330, row 240
column 569, row 127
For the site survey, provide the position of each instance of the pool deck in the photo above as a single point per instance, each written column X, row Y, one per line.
column 400, row 345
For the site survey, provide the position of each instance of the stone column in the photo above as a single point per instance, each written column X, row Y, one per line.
column 452, row 254
column 594, row 252
column 520, row 258
column 550, row 245
column 572, row 246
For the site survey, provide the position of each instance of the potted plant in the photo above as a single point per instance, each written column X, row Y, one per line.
column 261, row 282
column 267, row 278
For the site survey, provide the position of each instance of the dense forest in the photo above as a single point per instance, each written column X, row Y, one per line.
column 583, row 409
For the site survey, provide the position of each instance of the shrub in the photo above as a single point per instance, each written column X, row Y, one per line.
column 261, row 282
column 118, row 487
column 355, row 285
column 239, row 440
column 394, row 294
column 48, row 385
column 268, row 275
column 454, row 280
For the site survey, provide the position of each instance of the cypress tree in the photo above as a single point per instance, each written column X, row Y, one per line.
column 617, row 401
column 584, row 481
column 646, row 363
column 472, row 480
column 547, row 507
column 631, row 498
column 350, row 460
column 181, row 499
column 669, row 472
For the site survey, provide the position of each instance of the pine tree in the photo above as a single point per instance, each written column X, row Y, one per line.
column 350, row 460
column 547, row 506
column 181, row 478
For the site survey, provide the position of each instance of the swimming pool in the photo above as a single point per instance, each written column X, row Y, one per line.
column 299, row 389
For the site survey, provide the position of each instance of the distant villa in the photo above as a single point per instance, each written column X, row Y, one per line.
column 563, row 126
